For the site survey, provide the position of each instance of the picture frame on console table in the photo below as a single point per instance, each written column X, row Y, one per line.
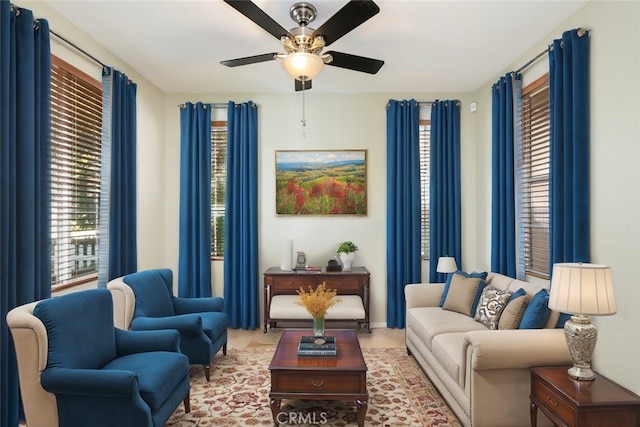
column 321, row 182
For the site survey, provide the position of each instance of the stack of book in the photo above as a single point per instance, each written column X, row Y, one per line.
column 317, row 346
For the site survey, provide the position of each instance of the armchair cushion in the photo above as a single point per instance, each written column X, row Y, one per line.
column 152, row 300
column 197, row 305
column 68, row 337
column 214, row 324
column 154, row 372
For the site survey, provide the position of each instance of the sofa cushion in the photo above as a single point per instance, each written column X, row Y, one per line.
column 512, row 314
column 481, row 275
column 429, row 322
column 537, row 313
column 450, row 352
column 492, row 303
column 285, row 307
column 462, row 294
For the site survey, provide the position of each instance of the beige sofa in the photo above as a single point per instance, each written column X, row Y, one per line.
column 483, row 374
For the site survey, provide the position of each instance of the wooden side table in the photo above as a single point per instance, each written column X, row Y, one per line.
column 573, row 403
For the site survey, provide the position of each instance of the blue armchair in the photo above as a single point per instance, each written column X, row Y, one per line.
column 147, row 303
column 76, row 368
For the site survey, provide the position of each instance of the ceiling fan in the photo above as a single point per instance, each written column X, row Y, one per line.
column 304, row 59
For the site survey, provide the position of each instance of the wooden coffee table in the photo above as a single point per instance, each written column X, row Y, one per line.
column 341, row 377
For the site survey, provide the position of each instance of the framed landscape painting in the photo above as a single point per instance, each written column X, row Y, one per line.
column 321, row 182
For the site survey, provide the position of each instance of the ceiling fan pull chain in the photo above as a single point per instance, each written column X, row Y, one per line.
column 304, row 117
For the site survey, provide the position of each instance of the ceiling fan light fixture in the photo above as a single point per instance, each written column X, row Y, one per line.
column 303, row 65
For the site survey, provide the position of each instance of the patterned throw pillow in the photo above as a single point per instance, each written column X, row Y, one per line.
column 492, row 303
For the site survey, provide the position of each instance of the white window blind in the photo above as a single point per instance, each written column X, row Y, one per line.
column 76, row 138
column 535, row 191
column 218, row 185
column 425, row 173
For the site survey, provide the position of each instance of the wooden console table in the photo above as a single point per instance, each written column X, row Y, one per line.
column 573, row 403
column 280, row 282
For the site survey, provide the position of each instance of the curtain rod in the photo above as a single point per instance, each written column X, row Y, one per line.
column 581, row 32
column 532, row 60
column 78, row 49
column 218, row 105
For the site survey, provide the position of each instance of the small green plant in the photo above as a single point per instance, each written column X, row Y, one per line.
column 346, row 247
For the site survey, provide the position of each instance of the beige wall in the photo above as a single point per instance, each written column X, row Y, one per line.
column 358, row 121
column 333, row 122
column 615, row 186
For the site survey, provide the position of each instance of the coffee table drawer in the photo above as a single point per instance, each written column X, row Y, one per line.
column 289, row 382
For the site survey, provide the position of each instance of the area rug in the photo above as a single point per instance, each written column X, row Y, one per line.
column 238, row 395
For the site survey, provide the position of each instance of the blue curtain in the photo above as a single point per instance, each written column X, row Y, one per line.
column 194, row 258
column 445, row 237
column 505, row 94
column 118, row 228
column 241, row 276
column 569, row 159
column 25, row 144
column 403, row 206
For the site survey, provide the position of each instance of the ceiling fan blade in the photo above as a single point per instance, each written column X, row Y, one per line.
column 298, row 85
column 346, row 19
column 257, row 15
column 250, row 59
column 355, row 62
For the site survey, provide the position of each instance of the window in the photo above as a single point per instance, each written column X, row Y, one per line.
column 535, row 176
column 76, row 139
column 425, row 173
column 218, row 185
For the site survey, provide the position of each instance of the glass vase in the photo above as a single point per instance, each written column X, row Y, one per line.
column 318, row 326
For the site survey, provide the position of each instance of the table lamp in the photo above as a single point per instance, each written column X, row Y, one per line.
column 446, row 264
column 581, row 290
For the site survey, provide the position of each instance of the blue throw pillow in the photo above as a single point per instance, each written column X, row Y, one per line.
column 562, row 319
column 481, row 275
column 476, row 299
column 520, row 292
column 537, row 313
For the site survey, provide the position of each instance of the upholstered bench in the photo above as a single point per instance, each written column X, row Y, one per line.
column 284, row 307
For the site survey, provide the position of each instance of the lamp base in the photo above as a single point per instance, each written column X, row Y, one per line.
column 581, row 336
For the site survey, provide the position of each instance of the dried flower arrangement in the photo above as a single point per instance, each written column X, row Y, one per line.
column 317, row 301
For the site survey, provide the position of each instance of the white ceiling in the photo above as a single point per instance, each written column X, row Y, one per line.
column 427, row 46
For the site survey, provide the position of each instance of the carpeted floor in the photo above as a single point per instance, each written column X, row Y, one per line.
column 238, row 395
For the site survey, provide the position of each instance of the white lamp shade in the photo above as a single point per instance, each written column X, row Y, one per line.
column 446, row 264
column 578, row 288
column 303, row 64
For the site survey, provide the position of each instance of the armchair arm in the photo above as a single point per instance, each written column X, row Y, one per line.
column 90, row 382
column 131, row 342
column 197, row 305
column 517, row 348
column 423, row 294
column 187, row 324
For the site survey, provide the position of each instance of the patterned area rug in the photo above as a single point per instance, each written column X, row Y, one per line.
column 238, row 395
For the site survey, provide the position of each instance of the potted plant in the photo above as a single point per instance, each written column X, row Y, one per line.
column 347, row 251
